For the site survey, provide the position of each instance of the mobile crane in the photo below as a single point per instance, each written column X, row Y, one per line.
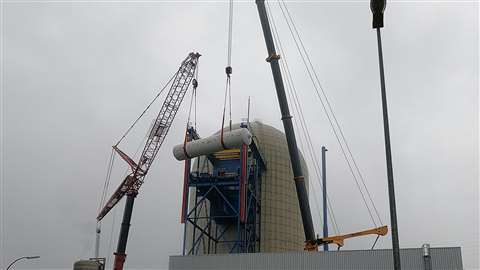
column 132, row 183
column 311, row 242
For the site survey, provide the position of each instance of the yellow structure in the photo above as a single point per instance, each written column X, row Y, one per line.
column 282, row 228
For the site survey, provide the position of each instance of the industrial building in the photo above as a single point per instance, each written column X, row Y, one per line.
column 278, row 222
column 379, row 259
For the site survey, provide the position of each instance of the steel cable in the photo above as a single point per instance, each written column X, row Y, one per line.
column 329, row 118
column 333, row 114
column 115, row 208
column 230, row 33
column 292, row 91
column 146, row 109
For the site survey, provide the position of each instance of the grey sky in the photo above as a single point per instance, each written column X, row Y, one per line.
column 76, row 74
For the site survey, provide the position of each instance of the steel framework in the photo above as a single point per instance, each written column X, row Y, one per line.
column 157, row 134
column 224, row 213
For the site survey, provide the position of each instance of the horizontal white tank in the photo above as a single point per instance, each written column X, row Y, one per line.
column 212, row 144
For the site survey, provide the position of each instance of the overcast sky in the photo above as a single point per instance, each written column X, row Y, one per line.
column 76, row 74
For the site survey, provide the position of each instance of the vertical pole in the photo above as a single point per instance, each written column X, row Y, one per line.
column 388, row 156
column 298, row 177
column 123, row 237
column 248, row 113
column 195, row 219
column 242, row 183
column 97, row 240
column 184, row 237
column 186, row 176
column 209, row 233
column 186, row 192
column 258, row 194
column 378, row 7
column 324, row 184
column 427, row 258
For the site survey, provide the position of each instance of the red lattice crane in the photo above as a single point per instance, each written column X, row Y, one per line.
column 132, row 183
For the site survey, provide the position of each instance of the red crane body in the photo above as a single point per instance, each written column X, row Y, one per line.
column 132, row 183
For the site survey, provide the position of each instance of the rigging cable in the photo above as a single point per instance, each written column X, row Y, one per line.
column 336, row 126
column 292, row 91
column 276, row 39
column 333, row 114
column 110, row 244
column 195, row 85
column 112, row 156
column 146, row 109
column 192, row 99
column 374, row 243
column 106, row 185
column 107, row 180
column 228, row 71
column 115, row 212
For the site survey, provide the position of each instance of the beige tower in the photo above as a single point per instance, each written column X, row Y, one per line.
column 281, row 224
column 282, row 228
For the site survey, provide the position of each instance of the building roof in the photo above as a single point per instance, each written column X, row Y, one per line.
column 411, row 258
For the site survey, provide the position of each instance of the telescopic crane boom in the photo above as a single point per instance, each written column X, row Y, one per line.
column 298, row 177
column 311, row 242
column 132, row 183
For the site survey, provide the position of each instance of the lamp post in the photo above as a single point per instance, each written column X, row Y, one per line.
column 378, row 7
column 26, row 257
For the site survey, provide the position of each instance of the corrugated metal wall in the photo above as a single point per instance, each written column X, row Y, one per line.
column 442, row 258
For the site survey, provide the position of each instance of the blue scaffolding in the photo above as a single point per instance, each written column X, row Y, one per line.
column 224, row 212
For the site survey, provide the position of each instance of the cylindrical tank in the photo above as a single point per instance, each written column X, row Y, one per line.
column 88, row 265
column 212, row 144
column 281, row 223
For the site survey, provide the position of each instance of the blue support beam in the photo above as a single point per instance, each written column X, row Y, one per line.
column 216, row 214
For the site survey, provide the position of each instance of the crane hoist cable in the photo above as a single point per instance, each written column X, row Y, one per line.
column 228, row 72
column 193, row 101
column 333, row 123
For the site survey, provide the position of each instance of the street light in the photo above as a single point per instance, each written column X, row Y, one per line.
column 26, row 257
column 378, row 7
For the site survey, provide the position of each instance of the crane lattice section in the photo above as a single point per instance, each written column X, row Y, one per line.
column 132, row 183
